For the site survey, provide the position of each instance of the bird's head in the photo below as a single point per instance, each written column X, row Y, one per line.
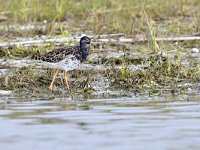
column 85, row 42
column 85, row 46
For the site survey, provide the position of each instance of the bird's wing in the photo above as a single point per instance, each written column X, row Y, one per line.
column 58, row 54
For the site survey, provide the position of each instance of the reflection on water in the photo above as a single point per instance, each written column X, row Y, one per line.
column 134, row 123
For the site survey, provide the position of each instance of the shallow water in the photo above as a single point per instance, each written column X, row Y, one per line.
column 122, row 123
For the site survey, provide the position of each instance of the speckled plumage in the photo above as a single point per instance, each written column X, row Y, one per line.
column 60, row 54
column 66, row 58
column 61, row 57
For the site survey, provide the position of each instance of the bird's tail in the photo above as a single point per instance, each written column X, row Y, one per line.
column 34, row 57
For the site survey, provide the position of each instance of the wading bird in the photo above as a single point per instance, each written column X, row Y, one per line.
column 66, row 58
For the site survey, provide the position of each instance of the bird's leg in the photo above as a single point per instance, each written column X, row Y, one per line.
column 54, row 76
column 66, row 80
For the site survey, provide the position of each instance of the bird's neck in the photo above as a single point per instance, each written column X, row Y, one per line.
column 85, row 52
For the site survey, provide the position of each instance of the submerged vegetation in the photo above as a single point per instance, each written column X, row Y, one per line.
column 158, row 74
column 152, row 67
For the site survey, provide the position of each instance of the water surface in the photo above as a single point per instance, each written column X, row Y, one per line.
column 121, row 123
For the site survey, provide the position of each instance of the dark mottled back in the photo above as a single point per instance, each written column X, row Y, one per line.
column 80, row 52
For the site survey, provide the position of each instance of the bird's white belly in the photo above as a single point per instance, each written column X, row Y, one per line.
column 67, row 64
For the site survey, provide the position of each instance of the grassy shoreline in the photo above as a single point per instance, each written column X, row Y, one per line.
column 135, row 18
column 107, row 16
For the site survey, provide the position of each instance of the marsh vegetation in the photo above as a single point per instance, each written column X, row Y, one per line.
column 145, row 68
